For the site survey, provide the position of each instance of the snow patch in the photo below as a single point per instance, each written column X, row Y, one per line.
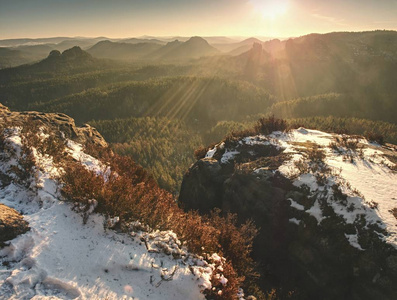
column 353, row 240
column 367, row 181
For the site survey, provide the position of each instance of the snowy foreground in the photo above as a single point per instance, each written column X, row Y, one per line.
column 60, row 258
column 364, row 174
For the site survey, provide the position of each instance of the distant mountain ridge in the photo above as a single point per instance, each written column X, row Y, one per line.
column 195, row 47
column 125, row 51
column 71, row 60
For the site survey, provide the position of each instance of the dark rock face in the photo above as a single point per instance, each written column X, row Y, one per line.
column 206, row 173
column 305, row 260
column 56, row 122
column 12, row 224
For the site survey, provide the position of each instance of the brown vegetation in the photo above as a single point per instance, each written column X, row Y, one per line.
column 131, row 194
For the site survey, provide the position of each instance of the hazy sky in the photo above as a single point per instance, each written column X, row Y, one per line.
column 128, row 18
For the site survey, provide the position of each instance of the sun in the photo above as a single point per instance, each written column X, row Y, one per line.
column 270, row 9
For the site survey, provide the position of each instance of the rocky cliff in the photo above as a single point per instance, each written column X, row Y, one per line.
column 325, row 205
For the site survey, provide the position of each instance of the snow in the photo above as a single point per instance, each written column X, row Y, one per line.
column 76, row 151
column 255, row 140
column 294, row 221
column 211, row 153
column 60, row 258
column 368, row 179
column 353, row 240
column 228, row 155
column 316, row 211
column 296, row 205
column 363, row 175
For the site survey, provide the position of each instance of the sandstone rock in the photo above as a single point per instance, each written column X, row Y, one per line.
column 12, row 224
column 315, row 261
column 57, row 122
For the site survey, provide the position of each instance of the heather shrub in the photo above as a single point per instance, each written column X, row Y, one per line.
column 373, row 136
column 263, row 126
column 129, row 193
column 348, row 146
column 315, row 154
column 26, row 167
column 270, row 124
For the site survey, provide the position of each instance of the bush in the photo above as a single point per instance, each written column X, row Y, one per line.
column 372, row 136
column 315, row 154
column 270, row 124
column 129, row 193
column 263, row 126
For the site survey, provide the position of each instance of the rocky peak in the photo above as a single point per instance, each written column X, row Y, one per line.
column 54, row 53
column 196, row 40
column 320, row 235
column 74, row 52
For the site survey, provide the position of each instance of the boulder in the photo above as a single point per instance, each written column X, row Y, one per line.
column 12, row 224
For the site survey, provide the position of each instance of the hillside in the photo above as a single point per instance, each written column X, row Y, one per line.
column 12, row 58
column 69, row 62
column 123, row 51
column 325, row 204
column 26, row 51
column 200, row 101
column 99, row 226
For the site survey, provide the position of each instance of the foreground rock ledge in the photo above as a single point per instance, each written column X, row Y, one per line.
column 12, row 224
column 57, row 122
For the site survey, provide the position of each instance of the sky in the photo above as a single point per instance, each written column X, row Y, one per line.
column 244, row 18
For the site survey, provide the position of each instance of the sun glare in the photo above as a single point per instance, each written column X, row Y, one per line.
column 271, row 9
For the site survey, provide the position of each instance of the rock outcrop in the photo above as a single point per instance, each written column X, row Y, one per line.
column 12, row 224
column 57, row 122
column 296, row 254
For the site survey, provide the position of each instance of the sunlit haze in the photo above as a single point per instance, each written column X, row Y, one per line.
column 122, row 18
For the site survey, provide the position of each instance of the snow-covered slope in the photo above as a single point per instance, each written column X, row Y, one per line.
column 321, row 161
column 325, row 204
column 364, row 173
column 60, row 258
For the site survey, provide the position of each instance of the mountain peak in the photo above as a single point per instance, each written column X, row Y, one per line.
column 75, row 52
column 197, row 40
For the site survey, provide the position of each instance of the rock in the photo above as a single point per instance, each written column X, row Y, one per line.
column 54, row 53
column 12, row 224
column 314, row 261
column 202, row 196
column 57, row 122
column 392, row 263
